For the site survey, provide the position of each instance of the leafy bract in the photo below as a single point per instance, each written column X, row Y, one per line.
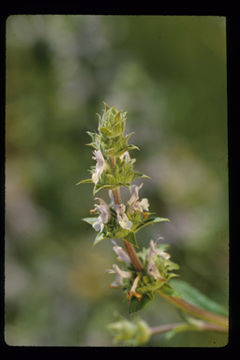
column 150, row 221
column 84, row 181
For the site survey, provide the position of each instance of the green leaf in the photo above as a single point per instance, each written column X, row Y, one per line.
column 133, row 147
column 105, row 131
column 84, row 181
column 126, row 148
column 131, row 239
column 169, row 291
column 100, row 236
column 93, row 145
column 138, row 174
column 90, row 220
column 150, row 221
column 195, row 297
column 136, row 305
column 107, row 107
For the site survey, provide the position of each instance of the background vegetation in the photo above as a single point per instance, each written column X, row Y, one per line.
column 169, row 73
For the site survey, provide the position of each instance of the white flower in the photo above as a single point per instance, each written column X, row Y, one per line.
column 120, row 275
column 104, row 215
column 123, row 220
column 100, row 166
column 134, row 203
column 159, row 252
column 152, row 267
column 153, row 270
column 122, row 255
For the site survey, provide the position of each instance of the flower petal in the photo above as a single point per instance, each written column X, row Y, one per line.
column 100, row 165
column 123, row 220
column 152, row 267
column 144, row 204
column 122, row 255
column 120, row 275
column 134, row 194
column 158, row 251
column 104, row 216
column 98, row 225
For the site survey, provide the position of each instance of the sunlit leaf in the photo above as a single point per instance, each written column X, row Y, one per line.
column 150, row 221
column 90, row 220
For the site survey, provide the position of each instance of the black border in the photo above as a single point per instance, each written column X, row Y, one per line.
column 232, row 47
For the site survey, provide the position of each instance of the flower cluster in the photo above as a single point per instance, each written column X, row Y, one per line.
column 118, row 220
column 140, row 286
column 114, row 166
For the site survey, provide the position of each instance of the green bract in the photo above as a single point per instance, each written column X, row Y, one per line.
column 112, row 142
column 130, row 333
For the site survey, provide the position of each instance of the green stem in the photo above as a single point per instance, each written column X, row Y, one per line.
column 196, row 311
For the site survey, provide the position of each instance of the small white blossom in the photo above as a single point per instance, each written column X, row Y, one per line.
column 152, row 267
column 104, row 216
column 153, row 270
column 122, row 255
column 123, row 220
column 134, row 203
column 100, row 166
column 159, row 252
column 120, row 275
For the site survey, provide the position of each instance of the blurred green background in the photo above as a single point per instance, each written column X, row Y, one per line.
column 169, row 73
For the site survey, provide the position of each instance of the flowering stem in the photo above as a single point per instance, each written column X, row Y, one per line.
column 196, row 311
column 183, row 326
column 130, row 249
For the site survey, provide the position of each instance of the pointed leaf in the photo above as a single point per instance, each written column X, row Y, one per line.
column 107, row 107
column 105, row 131
column 150, row 221
column 133, row 147
column 93, row 135
column 101, row 187
column 139, row 174
column 195, row 297
column 129, row 135
column 90, row 220
column 84, row 181
column 93, row 145
column 100, row 236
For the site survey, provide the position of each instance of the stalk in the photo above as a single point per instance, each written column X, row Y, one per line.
column 193, row 310
column 129, row 248
column 183, row 326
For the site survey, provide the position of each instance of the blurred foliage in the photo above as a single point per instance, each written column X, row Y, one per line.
column 169, row 73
